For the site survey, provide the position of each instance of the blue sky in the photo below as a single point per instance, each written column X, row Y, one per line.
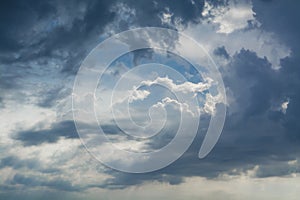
column 255, row 46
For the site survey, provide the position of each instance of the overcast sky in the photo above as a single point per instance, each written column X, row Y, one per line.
column 254, row 44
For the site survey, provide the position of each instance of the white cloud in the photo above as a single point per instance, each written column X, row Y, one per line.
column 231, row 18
column 210, row 103
column 186, row 87
column 183, row 107
column 136, row 94
column 284, row 106
column 166, row 17
column 186, row 91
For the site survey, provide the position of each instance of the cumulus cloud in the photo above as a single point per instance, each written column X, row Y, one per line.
column 210, row 101
column 186, row 87
column 183, row 107
column 138, row 95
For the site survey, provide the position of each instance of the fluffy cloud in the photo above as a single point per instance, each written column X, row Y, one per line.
column 186, row 87
column 183, row 107
column 138, row 95
column 229, row 18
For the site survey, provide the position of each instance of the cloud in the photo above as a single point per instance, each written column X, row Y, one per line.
column 64, row 129
column 229, row 18
column 251, row 136
column 138, row 95
column 154, row 10
column 265, row 43
column 29, row 164
column 50, row 39
column 284, row 107
column 44, row 43
column 285, row 25
column 186, row 87
column 221, row 51
column 177, row 105
column 58, row 184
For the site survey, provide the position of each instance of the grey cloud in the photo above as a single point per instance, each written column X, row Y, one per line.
column 46, row 36
column 273, row 169
column 50, row 97
column 64, row 129
column 32, row 164
column 16, row 163
column 58, row 184
column 47, row 26
column 1, row 102
column 123, row 180
column 37, row 29
column 280, row 17
column 18, row 15
column 258, row 88
column 221, row 51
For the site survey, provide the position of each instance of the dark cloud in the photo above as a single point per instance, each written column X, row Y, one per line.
column 35, row 30
column 15, row 19
column 281, row 18
column 64, row 129
column 221, row 51
column 260, row 90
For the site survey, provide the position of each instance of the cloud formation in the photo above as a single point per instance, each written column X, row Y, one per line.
column 255, row 48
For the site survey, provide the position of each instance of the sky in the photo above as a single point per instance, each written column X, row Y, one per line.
column 53, row 101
